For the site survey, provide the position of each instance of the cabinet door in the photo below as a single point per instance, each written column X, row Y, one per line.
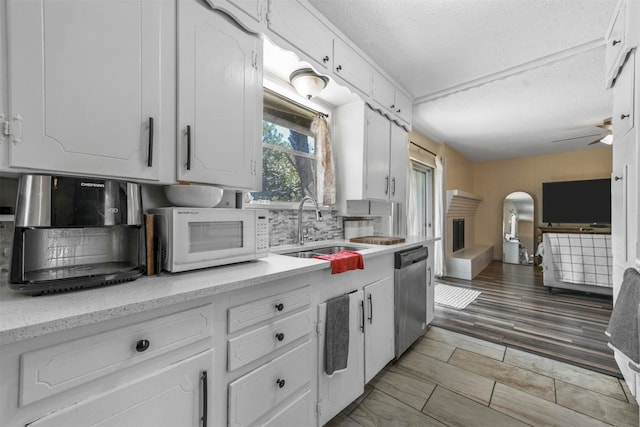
column 85, row 86
column 398, row 164
column 220, row 100
column 378, row 326
column 623, row 199
column 616, row 43
column 349, row 65
column 335, row 392
column 377, row 179
column 296, row 25
column 624, row 96
column 383, row 92
column 403, row 107
column 170, row 397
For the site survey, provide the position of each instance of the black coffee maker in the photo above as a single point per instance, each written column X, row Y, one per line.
column 73, row 233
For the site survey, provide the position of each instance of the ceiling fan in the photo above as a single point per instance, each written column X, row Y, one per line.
column 608, row 138
column 606, row 125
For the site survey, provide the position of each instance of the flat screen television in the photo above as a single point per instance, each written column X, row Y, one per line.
column 577, row 202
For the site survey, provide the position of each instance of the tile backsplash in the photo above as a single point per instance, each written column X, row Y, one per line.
column 6, row 239
column 283, row 226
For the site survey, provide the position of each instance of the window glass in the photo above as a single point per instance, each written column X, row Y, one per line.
column 288, row 152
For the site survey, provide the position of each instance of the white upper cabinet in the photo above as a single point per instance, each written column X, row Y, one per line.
column 376, row 165
column 295, row 25
column 390, row 99
column 623, row 93
column 622, row 36
column 616, row 43
column 386, row 159
column 398, row 155
column 248, row 13
column 371, row 156
column 85, row 86
column 219, row 100
column 350, row 66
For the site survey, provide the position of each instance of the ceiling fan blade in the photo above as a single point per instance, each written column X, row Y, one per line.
column 578, row 137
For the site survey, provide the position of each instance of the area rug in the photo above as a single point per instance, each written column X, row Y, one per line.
column 454, row 297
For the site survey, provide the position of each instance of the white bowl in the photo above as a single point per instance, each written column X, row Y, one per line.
column 193, row 196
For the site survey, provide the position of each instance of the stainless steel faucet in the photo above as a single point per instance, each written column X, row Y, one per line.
column 318, row 216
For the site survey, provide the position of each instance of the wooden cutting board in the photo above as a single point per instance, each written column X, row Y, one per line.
column 377, row 240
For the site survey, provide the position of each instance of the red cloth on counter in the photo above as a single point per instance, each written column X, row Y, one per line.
column 344, row 261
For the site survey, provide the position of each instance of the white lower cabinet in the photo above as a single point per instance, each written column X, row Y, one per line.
column 379, row 346
column 259, row 392
column 181, row 386
column 116, row 373
column 270, row 355
column 341, row 388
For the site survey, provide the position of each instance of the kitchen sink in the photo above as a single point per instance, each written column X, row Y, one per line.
column 334, row 249
column 325, row 250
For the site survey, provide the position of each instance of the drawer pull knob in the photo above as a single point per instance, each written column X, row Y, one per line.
column 339, row 68
column 280, row 382
column 280, row 307
column 617, row 178
column 615, row 42
column 325, row 59
column 142, row 345
column 279, row 336
column 623, row 116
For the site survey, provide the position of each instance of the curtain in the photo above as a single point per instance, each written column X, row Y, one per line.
column 325, row 170
column 439, row 266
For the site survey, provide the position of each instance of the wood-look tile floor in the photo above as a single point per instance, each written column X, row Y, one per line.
column 450, row 379
column 515, row 309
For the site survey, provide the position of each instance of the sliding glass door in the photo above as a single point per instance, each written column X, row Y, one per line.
column 420, row 201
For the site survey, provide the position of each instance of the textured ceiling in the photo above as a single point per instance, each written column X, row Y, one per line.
column 494, row 79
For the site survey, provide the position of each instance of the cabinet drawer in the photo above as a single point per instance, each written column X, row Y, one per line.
column 258, row 392
column 250, row 346
column 268, row 308
column 298, row 413
column 51, row 370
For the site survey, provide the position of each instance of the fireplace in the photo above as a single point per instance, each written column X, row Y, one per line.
column 458, row 235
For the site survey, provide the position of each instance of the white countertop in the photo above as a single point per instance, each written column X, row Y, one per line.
column 23, row 316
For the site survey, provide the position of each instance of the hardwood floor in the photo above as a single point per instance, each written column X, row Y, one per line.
column 449, row 379
column 515, row 310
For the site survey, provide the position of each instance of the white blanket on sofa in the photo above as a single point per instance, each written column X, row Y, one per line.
column 581, row 258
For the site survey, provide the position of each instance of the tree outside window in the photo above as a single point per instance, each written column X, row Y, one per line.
column 289, row 152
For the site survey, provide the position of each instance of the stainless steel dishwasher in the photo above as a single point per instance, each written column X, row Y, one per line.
column 410, row 279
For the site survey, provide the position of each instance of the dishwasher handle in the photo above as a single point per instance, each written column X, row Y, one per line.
column 411, row 256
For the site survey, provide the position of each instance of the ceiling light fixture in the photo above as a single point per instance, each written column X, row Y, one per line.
column 607, row 140
column 307, row 83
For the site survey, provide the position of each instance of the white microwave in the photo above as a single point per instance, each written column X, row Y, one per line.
column 193, row 238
